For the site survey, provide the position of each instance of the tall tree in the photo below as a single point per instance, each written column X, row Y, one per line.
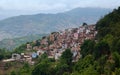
column 67, row 57
column 87, row 47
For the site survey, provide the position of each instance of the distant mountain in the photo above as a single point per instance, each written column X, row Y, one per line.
column 24, row 25
column 13, row 43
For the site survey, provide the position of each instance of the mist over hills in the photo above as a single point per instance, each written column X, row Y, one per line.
column 24, row 25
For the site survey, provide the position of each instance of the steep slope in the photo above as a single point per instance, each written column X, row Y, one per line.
column 45, row 23
column 109, row 29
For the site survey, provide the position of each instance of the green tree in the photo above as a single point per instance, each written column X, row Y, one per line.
column 13, row 73
column 117, row 71
column 37, row 43
column 90, row 71
column 75, row 73
column 20, row 49
column 61, row 68
column 101, row 48
column 116, row 58
column 87, row 47
column 42, row 57
column 84, row 24
column 66, row 57
column 117, row 46
column 5, row 54
column 25, row 69
column 84, row 63
column 45, row 67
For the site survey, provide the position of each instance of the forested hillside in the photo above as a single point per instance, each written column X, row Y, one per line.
column 109, row 29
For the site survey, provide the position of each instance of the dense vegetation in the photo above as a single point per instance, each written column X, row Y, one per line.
column 109, row 29
column 4, row 54
column 99, row 57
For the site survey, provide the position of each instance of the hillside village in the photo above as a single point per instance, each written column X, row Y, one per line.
column 86, row 50
column 56, row 43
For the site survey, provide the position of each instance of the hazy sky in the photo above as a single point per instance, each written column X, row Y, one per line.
column 51, row 6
